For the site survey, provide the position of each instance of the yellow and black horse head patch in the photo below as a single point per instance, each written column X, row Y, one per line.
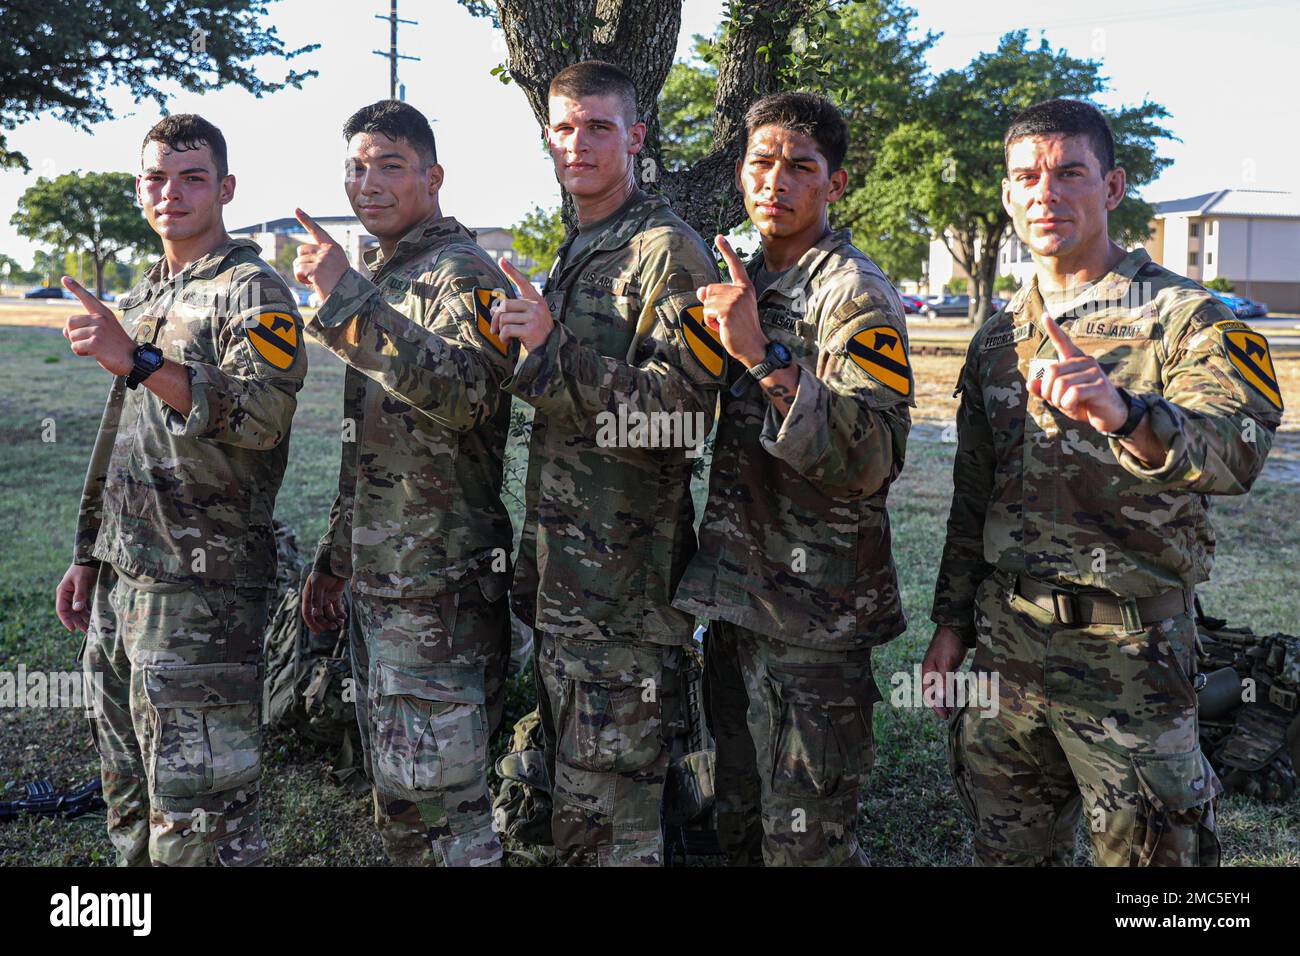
column 879, row 351
column 274, row 337
column 702, row 341
column 1248, row 352
column 483, row 299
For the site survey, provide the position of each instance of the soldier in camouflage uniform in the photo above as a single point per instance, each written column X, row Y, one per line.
column 418, row 525
column 610, row 522
column 175, row 535
column 795, row 571
column 1079, row 526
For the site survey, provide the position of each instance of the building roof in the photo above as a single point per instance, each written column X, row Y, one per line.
column 289, row 224
column 1264, row 203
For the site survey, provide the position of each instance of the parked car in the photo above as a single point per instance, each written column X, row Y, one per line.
column 1239, row 306
column 1258, row 310
column 937, row 305
column 910, row 302
column 48, row 292
column 301, row 295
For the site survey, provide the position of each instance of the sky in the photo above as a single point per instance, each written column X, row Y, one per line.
column 1225, row 72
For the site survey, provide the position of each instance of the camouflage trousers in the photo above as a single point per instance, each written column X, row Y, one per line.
column 794, row 747
column 430, row 677
column 1087, row 719
column 609, row 710
column 178, row 726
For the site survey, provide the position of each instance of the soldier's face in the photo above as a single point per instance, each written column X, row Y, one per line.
column 1057, row 196
column 180, row 191
column 786, row 182
column 591, row 144
column 389, row 187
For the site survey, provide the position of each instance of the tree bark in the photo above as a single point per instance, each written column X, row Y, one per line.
column 640, row 36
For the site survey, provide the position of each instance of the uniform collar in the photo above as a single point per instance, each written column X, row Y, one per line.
column 1112, row 287
column 205, row 267
column 799, row 274
column 423, row 236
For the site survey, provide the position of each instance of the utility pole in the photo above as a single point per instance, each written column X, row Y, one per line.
column 392, row 54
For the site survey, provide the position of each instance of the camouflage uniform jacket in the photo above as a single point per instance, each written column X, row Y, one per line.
column 1039, row 493
column 795, row 539
column 188, row 498
column 419, row 507
column 610, row 527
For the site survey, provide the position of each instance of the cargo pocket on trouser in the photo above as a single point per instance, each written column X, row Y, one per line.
column 429, row 728
column 611, row 763
column 1174, row 823
column 957, row 765
column 203, row 762
column 821, row 751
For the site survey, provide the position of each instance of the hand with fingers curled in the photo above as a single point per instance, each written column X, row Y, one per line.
column 320, row 263
column 1076, row 385
column 526, row 318
column 731, row 309
column 97, row 332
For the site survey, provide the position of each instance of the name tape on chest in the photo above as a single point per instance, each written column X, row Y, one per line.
column 879, row 351
column 274, row 337
column 1247, row 350
column 1000, row 339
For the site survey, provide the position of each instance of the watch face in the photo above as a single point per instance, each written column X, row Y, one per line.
column 151, row 357
column 780, row 352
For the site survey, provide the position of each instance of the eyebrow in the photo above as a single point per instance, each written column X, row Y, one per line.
column 1034, row 169
column 768, row 154
column 183, row 172
column 362, row 159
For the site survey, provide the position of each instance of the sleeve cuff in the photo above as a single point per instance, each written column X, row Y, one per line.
column 352, row 293
column 797, row 437
column 203, row 379
column 965, row 628
column 1167, row 427
column 534, row 370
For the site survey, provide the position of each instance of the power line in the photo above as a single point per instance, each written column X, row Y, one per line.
column 392, row 54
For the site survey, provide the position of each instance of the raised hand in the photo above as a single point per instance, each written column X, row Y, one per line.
column 97, row 333
column 1076, row 384
column 320, row 263
column 526, row 318
column 732, row 309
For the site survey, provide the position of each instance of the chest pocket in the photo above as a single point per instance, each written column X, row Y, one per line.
column 1128, row 350
column 1005, row 364
column 187, row 335
column 798, row 335
column 603, row 311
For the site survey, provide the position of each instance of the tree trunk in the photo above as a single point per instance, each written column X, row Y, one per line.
column 984, row 274
column 640, row 36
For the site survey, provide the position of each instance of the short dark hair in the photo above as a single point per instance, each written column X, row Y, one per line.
column 396, row 120
column 185, row 131
column 596, row 78
column 1068, row 118
column 807, row 113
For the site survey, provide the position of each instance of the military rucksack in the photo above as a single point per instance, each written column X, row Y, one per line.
column 1248, row 691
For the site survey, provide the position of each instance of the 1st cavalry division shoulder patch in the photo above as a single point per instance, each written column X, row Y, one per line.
column 702, row 340
column 879, row 352
column 1248, row 352
column 483, row 315
column 274, row 336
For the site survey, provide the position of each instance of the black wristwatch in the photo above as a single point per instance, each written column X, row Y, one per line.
column 775, row 356
column 1137, row 409
column 148, row 359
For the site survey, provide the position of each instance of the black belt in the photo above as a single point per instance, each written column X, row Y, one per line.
column 1085, row 608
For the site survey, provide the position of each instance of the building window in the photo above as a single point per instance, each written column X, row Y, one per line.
column 1196, row 230
column 1209, row 258
column 1209, row 229
column 1193, row 258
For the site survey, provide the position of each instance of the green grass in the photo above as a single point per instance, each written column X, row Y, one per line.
column 910, row 815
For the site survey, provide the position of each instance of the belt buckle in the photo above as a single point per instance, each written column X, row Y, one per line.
column 1065, row 604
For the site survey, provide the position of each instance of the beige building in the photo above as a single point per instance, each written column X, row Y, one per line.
column 1249, row 236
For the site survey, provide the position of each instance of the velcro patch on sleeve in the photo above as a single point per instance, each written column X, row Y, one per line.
column 274, row 337
column 483, row 299
column 1247, row 350
column 879, row 351
column 701, row 341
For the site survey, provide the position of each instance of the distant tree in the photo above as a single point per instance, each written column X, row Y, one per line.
column 93, row 212
column 538, row 235
column 1220, row 284
column 944, row 171
column 958, row 285
column 64, row 55
column 1007, row 283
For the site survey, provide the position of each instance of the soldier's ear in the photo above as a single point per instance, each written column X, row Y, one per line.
column 636, row 137
column 1116, row 186
column 435, row 175
column 227, row 189
column 839, row 182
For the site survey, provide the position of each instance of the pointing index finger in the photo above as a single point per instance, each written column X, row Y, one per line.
column 526, row 289
column 85, row 297
column 1065, row 347
column 737, row 268
column 313, row 228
